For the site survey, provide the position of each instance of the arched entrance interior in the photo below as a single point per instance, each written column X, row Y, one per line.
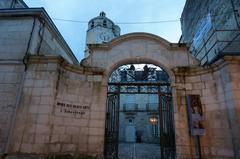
column 139, row 116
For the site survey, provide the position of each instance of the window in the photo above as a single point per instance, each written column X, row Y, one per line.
column 155, row 130
column 104, row 23
column 92, row 24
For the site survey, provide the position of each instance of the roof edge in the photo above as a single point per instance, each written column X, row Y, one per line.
column 40, row 12
column 23, row 3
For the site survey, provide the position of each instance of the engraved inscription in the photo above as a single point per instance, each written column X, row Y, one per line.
column 72, row 110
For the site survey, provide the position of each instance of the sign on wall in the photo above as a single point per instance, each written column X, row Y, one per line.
column 71, row 110
column 195, row 115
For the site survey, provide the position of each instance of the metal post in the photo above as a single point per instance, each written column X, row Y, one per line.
column 199, row 153
column 118, row 114
column 160, row 122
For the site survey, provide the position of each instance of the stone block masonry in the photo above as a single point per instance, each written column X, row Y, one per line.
column 30, row 31
column 211, row 31
column 10, row 80
column 217, row 90
column 57, row 110
column 19, row 38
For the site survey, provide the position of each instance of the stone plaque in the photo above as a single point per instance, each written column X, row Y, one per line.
column 71, row 110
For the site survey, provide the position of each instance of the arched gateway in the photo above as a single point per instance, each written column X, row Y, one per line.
column 139, row 115
column 66, row 108
column 117, row 58
column 109, row 51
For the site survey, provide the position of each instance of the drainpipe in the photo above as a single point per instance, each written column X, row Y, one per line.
column 198, row 147
column 41, row 32
column 19, row 92
column 235, row 12
column 13, row 3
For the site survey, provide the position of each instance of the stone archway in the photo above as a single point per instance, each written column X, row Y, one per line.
column 140, row 48
column 153, row 82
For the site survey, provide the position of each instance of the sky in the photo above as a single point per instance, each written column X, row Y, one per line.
column 119, row 11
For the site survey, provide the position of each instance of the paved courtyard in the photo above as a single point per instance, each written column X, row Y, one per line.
column 138, row 151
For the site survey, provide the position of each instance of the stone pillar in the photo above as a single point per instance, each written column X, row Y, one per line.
column 231, row 87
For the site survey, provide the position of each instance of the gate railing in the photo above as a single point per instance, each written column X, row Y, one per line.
column 166, row 120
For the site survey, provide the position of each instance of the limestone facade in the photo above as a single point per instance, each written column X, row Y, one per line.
column 45, row 123
column 216, row 86
column 24, row 32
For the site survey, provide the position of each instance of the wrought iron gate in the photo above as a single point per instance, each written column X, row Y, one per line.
column 111, row 127
column 166, row 119
column 167, row 134
column 140, row 79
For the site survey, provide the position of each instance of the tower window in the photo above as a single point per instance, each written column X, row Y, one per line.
column 92, row 25
column 104, row 23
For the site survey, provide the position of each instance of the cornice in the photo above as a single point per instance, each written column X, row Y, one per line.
column 42, row 14
column 33, row 59
column 199, row 70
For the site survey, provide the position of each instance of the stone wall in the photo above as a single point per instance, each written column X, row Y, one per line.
column 10, row 87
column 194, row 11
column 20, row 36
column 214, row 85
column 15, row 36
column 35, row 108
column 231, row 89
column 33, row 34
column 61, row 110
column 208, row 27
column 81, row 131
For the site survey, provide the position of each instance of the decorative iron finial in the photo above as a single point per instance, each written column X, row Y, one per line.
column 103, row 14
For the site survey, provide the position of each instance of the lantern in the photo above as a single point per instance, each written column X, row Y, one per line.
column 153, row 120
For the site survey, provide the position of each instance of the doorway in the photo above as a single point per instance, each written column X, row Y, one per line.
column 139, row 118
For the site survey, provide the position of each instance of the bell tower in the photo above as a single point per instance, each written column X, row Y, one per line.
column 101, row 30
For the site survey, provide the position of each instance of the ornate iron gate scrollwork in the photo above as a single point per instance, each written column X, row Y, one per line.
column 111, row 127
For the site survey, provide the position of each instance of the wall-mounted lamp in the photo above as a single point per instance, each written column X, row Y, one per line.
column 153, row 120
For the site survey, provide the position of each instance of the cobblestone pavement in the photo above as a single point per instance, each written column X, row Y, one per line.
column 138, row 151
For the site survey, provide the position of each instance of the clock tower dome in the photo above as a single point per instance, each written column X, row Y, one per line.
column 101, row 30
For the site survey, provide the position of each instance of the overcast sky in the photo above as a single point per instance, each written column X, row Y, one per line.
column 118, row 11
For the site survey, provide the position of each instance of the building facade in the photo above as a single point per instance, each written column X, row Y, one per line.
column 52, row 104
column 211, row 32
column 136, row 110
